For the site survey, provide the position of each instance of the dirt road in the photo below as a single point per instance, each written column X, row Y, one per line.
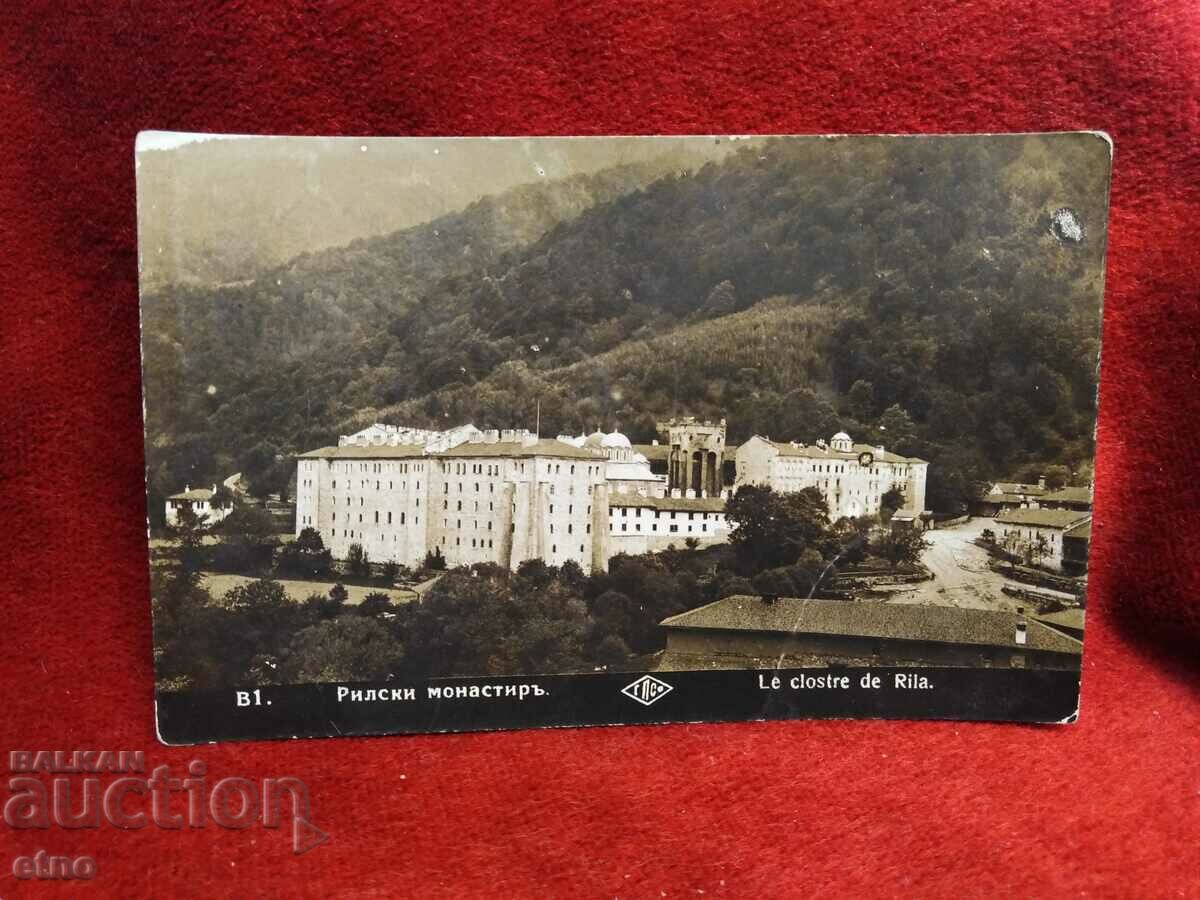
column 961, row 576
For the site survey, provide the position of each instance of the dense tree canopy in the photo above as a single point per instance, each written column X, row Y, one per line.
column 910, row 292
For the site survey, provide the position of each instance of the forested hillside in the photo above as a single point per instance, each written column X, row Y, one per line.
column 911, row 292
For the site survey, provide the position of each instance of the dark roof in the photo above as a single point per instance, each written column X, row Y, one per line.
column 811, row 451
column 1002, row 499
column 900, row 621
column 1016, row 487
column 1069, row 495
column 541, row 447
column 474, row 449
column 1042, row 518
column 1067, row 618
column 1083, row 530
column 653, row 452
column 686, row 504
column 195, row 494
column 372, row 451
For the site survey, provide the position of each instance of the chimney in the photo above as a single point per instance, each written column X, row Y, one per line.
column 1042, row 482
column 1021, row 636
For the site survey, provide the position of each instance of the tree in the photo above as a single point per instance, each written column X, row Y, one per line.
column 247, row 523
column 472, row 625
column 773, row 529
column 306, row 556
column 572, row 575
column 901, row 546
column 391, row 571
column 611, row 650
column 346, row 648
column 892, row 500
column 323, row 606
column 1057, row 477
column 375, row 603
column 860, row 401
column 774, row 583
column 434, row 560
column 188, row 534
column 187, row 650
column 809, row 572
column 358, row 563
column 897, row 431
column 248, row 540
column 733, row 585
column 258, row 619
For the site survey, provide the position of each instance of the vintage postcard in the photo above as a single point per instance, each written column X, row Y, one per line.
column 451, row 434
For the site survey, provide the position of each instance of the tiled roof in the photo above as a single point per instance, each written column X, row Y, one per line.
column 1068, row 618
column 1016, row 487
column 653, row 452
column 1042, row 518
column 900, row 621
column 372, row 451
column 811, row 451
column 1013, row 499
column 1068, row 495
column 685, row 504
column 472, row 449
column 517, row 449
column 1082, row 530
column 196, row 494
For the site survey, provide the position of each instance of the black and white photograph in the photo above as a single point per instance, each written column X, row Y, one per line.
column 458, row 433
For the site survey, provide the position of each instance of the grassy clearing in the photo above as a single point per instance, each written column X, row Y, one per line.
column 218, row 583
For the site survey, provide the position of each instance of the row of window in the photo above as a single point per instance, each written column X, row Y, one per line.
column 416, row 519
column 379, row 468
column 658, row 513
column 673, row 529
column 365, row 484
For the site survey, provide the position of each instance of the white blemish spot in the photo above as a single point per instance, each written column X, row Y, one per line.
column 1065, row 226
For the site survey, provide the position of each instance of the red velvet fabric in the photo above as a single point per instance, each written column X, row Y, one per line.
column 1106, row 807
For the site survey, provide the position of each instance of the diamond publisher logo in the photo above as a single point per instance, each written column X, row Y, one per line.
column 646, row 690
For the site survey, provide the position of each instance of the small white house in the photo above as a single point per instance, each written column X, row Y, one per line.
column 201, row 502
column 1036, row 535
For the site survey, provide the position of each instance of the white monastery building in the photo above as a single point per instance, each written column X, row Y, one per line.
column 494, row 496
column 853, row 477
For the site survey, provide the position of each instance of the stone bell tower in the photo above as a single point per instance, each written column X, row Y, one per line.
column 696, row 457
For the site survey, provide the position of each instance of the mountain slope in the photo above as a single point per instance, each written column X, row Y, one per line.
column 953, row 316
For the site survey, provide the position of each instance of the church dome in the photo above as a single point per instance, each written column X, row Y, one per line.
column 595, row 439
column 841, row 436
column 616, row 440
